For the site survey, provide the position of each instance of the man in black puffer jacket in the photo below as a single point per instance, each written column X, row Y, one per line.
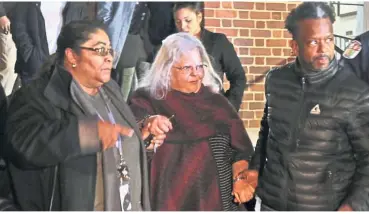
column 313, row 147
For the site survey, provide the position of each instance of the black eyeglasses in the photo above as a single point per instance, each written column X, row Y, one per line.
column 101, row 51
column 189, row 68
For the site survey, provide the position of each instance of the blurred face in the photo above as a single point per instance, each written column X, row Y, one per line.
column 94, row 63
column 314, row 44
column 188, row 21
column 188, row 72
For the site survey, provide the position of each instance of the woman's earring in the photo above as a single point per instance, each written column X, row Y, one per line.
column 74, row 65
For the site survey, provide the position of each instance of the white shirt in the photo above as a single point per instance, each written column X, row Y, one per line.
column 52, row 13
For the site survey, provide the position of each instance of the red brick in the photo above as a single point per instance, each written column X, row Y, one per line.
column 276, row 6
column 245, row 123
column 284, row 15
column 228, row 32
column 209, row 13
column 244, row 51
column 256, row 105
column 259, row 42
column 228, row 4
column 250, row 78
column 244, row 32
column 243, row 42
column 246, row 60
column 291, row 6
column 225, row 14
column 244, row 14
column 245, row 69
column 259, row 114
column 211, row 4
column 248, row 96
column 260, row 24
column 260, row 6
column 275, row 24
column 247, row 114
column 253, row 123
column 258, row 70
column 261, row 33
column 277, row 33
column 277, row 52
column 275, row 61
column 259, row 78
column 259, row 15
column 226, row 23
column 276, row 43
column 259, row 96
column 260, row 52
column 260, row 60
column 244, row 23
column 243, row 5
column 256, row 87
column 212, row 22
column 277, row 15
column 287, row 52
column 287, row 34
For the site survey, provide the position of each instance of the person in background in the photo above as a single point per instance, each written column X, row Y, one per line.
column 204, row 158
column 8, row 51
column 35, row 29
column 70, row 133
column 355, row 56
column 127, row 39
column 188, row 18
column 313, row 148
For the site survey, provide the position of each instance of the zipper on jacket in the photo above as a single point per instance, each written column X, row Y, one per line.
column 297, row 128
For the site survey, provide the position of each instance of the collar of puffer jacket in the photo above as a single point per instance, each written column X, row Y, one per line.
column 316, row 77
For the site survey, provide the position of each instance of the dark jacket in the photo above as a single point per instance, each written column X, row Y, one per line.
column 315, row 132
column 44, row 130
column 360, row 63
column 161, row 22
column 6, row 8
column 29, row 34
column 225, row 60
column 4, row 177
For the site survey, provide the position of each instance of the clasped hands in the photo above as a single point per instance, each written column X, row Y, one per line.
column 244, row 185
column 156, row 125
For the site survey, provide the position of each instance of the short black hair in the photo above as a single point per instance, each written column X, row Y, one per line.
column 76, row 33
column 308, row 10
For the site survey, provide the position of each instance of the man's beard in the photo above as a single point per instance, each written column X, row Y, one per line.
column 309, row 66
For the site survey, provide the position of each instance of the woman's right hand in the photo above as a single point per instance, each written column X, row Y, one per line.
column 108, row 133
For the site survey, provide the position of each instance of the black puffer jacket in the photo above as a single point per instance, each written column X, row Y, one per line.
column 315, row 130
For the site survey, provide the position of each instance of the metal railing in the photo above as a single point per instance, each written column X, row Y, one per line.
column 340, row 43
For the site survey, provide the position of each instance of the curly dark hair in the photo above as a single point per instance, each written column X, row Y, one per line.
column 308, row 10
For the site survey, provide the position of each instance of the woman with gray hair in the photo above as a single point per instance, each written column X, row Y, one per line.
column 204, row 158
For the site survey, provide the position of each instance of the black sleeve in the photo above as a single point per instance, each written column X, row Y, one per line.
column 259, row 157
column 38, row 137
column 2, row 10
column 3, row 116
column 234, row 72
column 18, row 27
column 358, row 134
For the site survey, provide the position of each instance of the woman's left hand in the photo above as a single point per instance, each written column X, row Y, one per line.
column 244, row 189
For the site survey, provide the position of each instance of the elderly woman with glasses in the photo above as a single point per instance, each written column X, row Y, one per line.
column 73, row 142
column 204, row 158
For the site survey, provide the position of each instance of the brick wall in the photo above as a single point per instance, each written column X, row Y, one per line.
column 257, row 32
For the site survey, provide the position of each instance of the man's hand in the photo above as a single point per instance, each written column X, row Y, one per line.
column 345, row 208
column 108, row 133
column 244, row 189
column 5, row 24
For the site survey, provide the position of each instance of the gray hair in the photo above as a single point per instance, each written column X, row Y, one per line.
column 157, row 80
